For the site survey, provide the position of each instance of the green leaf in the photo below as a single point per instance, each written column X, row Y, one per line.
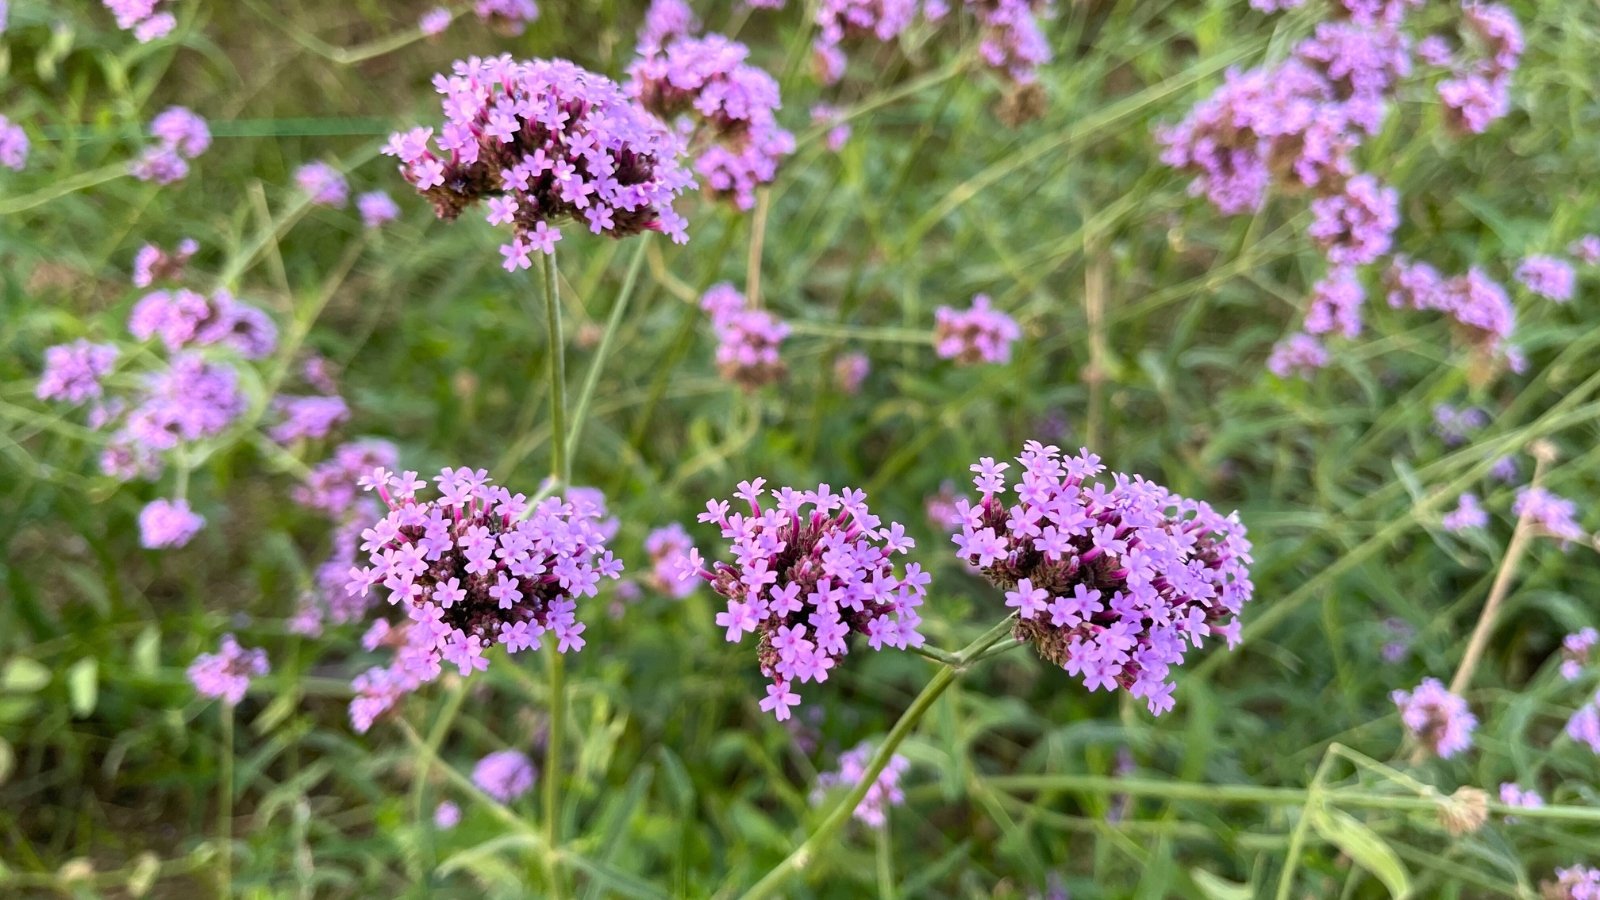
column 1364, row 846
column 24, row 676
column 1217, row 888
column 147, row 651
column 83, row 686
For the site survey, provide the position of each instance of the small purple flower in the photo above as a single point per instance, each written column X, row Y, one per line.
column 168, row 523
column 838, row 126
column 434, row 22
column 980, row 334
column 1586, row 249
column 152, row 264
column 942, row 509
column 1555, row 515
column 505, row 775
column 226, row 674
column 13, row 145
column 1297, row 355
column 331, row 486
column 1112, row 583
column 1336, row 303
column 1356, row 227
column 1400, row 635
column 377, row 209
column 309, row 417
column 1576, row 883
column 509, row 17
column 839, row 20
column 804, row 581
column 1577, row 652
column 673, row 561
column 1512, row 794
column 1474, row 300
column 73, row 372
column 748, row 340
column 446, row 815
column 1467, row 515
column 873, row 810
column 142, row 17
column 1584, row 726
column 1010, row 41
column 1435, row 718
column 180, row 135
column 850, row 370
column 1472, row 102
column 1454, row 425
column 664, row 22
column 1435, row 51
column 324, row 184
column 1549, row 277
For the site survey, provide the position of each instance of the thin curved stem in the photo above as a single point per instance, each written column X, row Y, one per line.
column 560, row 465
column 225, row 806
column 845, row 808
column 561, row 472
column 591, row 378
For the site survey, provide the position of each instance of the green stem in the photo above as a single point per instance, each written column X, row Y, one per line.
column 591, row 378
column 225, row 806
column 845, row 808
column 560, row 466
column 552, row 765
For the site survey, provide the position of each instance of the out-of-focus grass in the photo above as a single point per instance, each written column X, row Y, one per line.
column 680, row 784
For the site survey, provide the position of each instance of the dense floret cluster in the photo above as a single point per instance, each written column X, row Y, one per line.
column 1436, row 719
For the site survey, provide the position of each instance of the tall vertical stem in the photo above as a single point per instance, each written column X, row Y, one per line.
column 561, row 471
column 225, row 805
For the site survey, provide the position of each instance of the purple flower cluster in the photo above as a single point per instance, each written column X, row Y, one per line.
column 307, row 417
column 1555, row 515
column 144, row 18
column 152, row 264
column 664, row 22
column 1298, row 355
column 509, row 17
column 1479, row 89
column 1454, row 425
column 803, row 582
column 183, row 318
column 331, row 488
column 748, row 340
column 476, row 567
column 1336, row 304
column 226, row 674
column 505, row 775
column 180, row 136
column 850, row 370
column 1576, row 883
column 732, row 105
column 673, row 561
column 73, row 372
column 1549, row 277
column 943, row 509
column 1577, row 652
column 1353, row 227
column 1467, row 515
column 13, row 145
column 168, row 523
column 873, row 810
column 1512, row 794
column 1435, row 718
column 434, row 21
column 980, row 334
column 838, row 126
column 323, row 184
column 543, row 142
column 1584, row 726
column 191, row 399
column 1480, row 307
column 841, row 20
column 377, row 209
column 1586, row 249
column 1011, row 41
column 1112, row 583
column 446, row 815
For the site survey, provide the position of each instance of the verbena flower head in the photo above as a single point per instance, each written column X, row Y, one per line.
column 332, row 486
column 1297, row 355
column 1112, row 578
column 979, row 334
column 1435, row 51
column 1435, row 718
column 183, row 318
column 325, row 185
column 1549, row 277
column 885, row 792
column 664, row 22
column 226, row 674
column 1454, row 424
column 1474, row 101
column 544, row 142
column 13, row 145
column 1576, row 883
column 1577, row 652
column 748, row 340
column 1467, row 515
column 192, row 399
column 841, row 20
column 1336, row 303
column 1584, row 726
column 838, row 126
column 73, row 372
column 377, row 209
column 306, row 417
column 434, row 21
column 180, row 135
column 803, row 580
column 1512, row 794
column 1553, row 514
column 446, row 815
column 509, row 17
column 942, row 509
column 1356, row 227
column 850, row 370
column 152, row 264
column 1011, row 41
column 168, row 523
column 1480, row 307
column 474, row 568
column 1586, row 249
column 142, row 17
column 674, row 561
column 505, row 775
column 1398, row 637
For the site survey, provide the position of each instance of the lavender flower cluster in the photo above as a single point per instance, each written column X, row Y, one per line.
column 804, row 581
column 1112, row 583
column 332, row 488
column 323, row 184
column 1575, row 883
column 1577, row 652
column 180, row 136
column 979, row 334
column 476, row 567
column 725, row 106
column 1436, row 719
column 672, row 561
column 226, row 674
column 509, row 17
column 543, row 142
column 841, row 20
column 504, row 775
column 152, row 264
column 885, row 792
column 748, row 340
column 1553, row 514
column 13, row 145
column 145, row 18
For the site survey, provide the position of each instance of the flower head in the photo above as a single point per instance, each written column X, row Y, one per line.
column 1467, row 515
column 505, row 775
column 13, row 145
column 1577, row 652
column 446, row 815
column 1113, row 578
column 168, row 523
column 873, row 810
column 434, row 21
column 1576, row 883
column 509, row 17
column 809, row 569
column 1298, row 355
column 1355, row 227
column 1549, row 277
column 325, row 185
column 72, row 372
column 180, row 136
column 748, row 340
column 560, row 142
column 377, row 209
column 152, row 264
column 673, row 561
column 226, row 674
column 1435, row 718
column 1553, row 514
column 980, row 334
column 850, row 370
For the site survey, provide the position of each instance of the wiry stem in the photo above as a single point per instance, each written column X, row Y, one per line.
column 561, row 472
column 225, row 806
column 560, row 467
column 845, row 808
